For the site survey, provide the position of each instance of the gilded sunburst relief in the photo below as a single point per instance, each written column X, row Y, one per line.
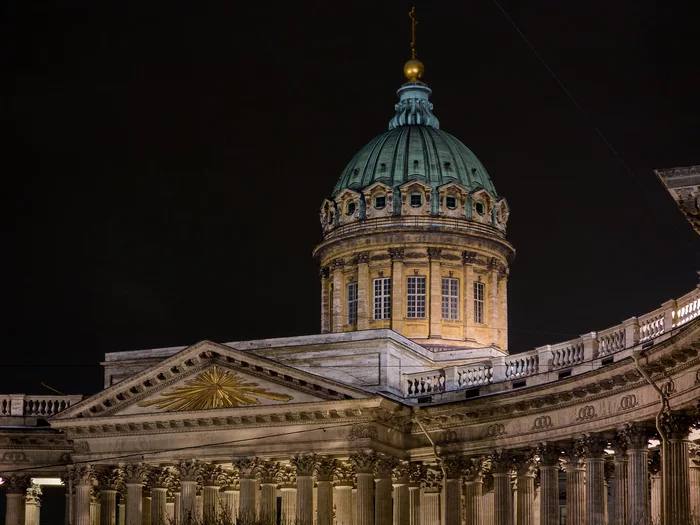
column 214, row 388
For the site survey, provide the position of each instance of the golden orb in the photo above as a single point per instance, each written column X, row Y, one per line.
column 413, row 69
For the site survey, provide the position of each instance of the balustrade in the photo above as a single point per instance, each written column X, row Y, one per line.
column 35, row 405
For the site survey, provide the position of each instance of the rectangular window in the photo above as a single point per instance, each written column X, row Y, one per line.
column 352, row 303
column 415, row 297
column 478, row 302
column 382, row 298
column 450, row 298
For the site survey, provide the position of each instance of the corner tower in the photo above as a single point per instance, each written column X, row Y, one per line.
column 414, row 236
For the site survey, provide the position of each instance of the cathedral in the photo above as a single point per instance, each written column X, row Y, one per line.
column 406, row 408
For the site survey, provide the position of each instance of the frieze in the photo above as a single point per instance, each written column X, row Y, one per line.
column 414, row 255
column 381, row 257
column 542, row 422
column 450, row 257
column 446, row 436
column 363, row 432
column 434, row 254
column 396, row 254
column 628, row 402
column 668, row 388
column 14, row 457
column 496, row 430
column 586, row 413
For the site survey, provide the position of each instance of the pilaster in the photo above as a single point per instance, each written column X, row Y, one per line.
column 364, row 289
column 435, row 304
column 468, row 259
column 325, row 468
column 337, row 298
column 397, row 290
column 342, row 494
column 473, row 486
column 324, row 274
column 382, row 490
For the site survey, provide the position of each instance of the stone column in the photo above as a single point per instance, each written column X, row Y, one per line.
column 66, row 480
column 549, row 483
column 430, row 505
column 400, row 483
column 676, row 469
column 416, row 475
column 231, row 497
column 364, row 291
column 694, row 481
column 655, row 502
column 305, row 465
column 83, row 476
column 95, row 508
column 525, row 468
column 364, row 473
column 169, row 509
column 453, row 466
column 575, row 488
column 473, row 485
column 199, row 505
column 246, row 470
column 268, row 471
column 435, row 297
column 33, row 505
column 502, row 465
column 593, row 451
column 342, row 493
column 609, row 480
column 324, row 274
column 159, row 480
column 15, row 490
column 621, row 483
column 337, row 299
column 121, row 515
column 502, row 298
column 177, row 503
column 325, row 468
column 636, row 438
column 382, row 490
column 146, row 506
column 487, row 499
column 398, row 308
column 108, row 505
column 189, row 470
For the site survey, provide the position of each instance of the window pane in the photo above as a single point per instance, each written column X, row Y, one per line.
column 352, row 303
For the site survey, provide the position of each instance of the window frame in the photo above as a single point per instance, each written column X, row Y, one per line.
column 479, row 303
column 416, row 299
column 381, row 302
column 351, row 302
column 447, row 201
column 380, row 196
column 415, row 194
column 450, row 300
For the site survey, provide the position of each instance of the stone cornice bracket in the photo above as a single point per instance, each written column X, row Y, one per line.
column 363, row 258
column 468, row 257
column 245, row 467
column 396, row 254
column 364, row 462
column 337, row 264
column 108, row 478
column 493, row 263
column 326, row 468
column 17, row 484
column 83, row 474
column 677, row 425
column 434, row 254
column 635, row 436
column 549, row 454
column 189, row 470
column 502, row 462
column 304, row 463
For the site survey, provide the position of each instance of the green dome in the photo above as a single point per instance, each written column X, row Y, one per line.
column 414, row 148
column 414, row 152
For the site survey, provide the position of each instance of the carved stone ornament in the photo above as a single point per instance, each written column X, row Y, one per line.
column 401, row 472
column 324, row 272
column 453, row 466
column 549, row 454
column 245, row 467
column 434, row 254
column 433, row 481
column 16, row 484
column 337, row 264
column 287, row 476
column 213, row 388
column 636, row 437
column 268, row 471
column 33, row 494
column 592, row 446
column 585, row 413
column 14, row 457
column 83, row 474
column 417, row 472
column 502, row 462
column 677, row 426
column 108, row 478
column 654, row 462
column 364, row 461
column 189, row 470
column 468, row 257
column 385, row 466
column 325, row 468
column 525, row 465
column 304, row 463
column 211, row 475
column 344, row 474
column 396, row 254
column 81, row 447
column 363, row 432
column 473, row 470
column 628, row 402
column 363, row 258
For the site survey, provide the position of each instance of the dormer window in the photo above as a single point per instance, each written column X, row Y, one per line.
column 350, row 208
column 380, row 202
column 416, row 200
column 451, row 202
column 480, row 207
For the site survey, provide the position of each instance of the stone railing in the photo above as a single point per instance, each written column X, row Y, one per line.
column 552, row 362
column 34, row 406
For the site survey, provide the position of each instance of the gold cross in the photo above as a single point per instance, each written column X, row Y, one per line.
column 414, row 21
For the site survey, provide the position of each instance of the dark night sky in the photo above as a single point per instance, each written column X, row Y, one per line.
column 166, row 163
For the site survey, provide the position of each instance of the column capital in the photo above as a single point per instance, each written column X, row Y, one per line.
column 572, row 457
column 417, row 471
column 109, row 478
column 286, row 476
column 337, row 264
column 433, row 481
column 326, row 468
column 17, row 484
column 487, row 482
column 654, row 462
column 591, row 446
column 189, row 470
column 453, row 466
column 635, row 435
column 304, row 463
column 33, row 494
column 268, row 471
column 324, row 272
column 525, row 465
column 619, row 446
column 468, row 257
column 364, row 462
column 549, row 454
column 396, row 254
column 402, row 473
column 473, row 470
column 676, row 425
column 345, row 474
column 363, row 258
column 434, row 254
column 501, row 462
column 133, row 473
column 245, row 467
column 385, row 466
column 83, row 474
column 160, row 477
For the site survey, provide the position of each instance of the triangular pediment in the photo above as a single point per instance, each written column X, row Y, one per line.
column 210, row 376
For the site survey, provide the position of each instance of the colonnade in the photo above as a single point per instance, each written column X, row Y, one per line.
column 607, row 482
